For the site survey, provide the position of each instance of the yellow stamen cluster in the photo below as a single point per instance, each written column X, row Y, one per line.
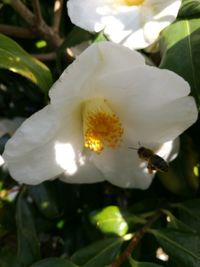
column 134, row 2
column 102, row 127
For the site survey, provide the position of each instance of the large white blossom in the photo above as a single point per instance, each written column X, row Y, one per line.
column 103, row 103
column 133, row 23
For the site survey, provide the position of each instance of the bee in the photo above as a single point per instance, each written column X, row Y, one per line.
column 154, row 162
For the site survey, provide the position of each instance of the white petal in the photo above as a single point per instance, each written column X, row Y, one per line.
column 39, row 129
column 101, row 58
column 87, row 14
column 157, row 15
column 86, row 173
column 170, row 121
column 31, row 153
column 122, row 167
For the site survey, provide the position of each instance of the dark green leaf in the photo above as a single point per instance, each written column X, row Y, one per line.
column 189, row 213
column 98, row 254
column 8, row 257
column 183, row 247
column 44, row 199
column 53, row 262
column 181, row 178
column 174, row 223
column 181, row 41
column 28, row 244
column 134, row 263
column 15, row 59
column 110, row 220
column 189, row 8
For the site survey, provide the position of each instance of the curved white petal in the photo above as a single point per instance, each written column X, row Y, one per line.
column 122, row 167
column 101, row 58
column 31, row 154
column 157, row 15
column 150, row 102
column 86, row 173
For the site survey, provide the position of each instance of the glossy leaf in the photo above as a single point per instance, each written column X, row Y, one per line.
column 182, row 247
column 54, row 262
column 134, row 263
column 180, row 41
column 181, row 178
column 16, row 59
column 189, row 8
column 98, row 254
column 110, row 220
column 44, row 199
column 28, row 244
column 189, row 213
column 177, row 224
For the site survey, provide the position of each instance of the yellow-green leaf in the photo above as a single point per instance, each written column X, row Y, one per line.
column 14, row 58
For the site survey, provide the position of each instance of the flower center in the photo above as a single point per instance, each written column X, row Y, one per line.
column 101, row 125
column 134, row 2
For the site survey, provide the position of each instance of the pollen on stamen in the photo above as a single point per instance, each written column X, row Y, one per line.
column 134, row 2
column 102, row 126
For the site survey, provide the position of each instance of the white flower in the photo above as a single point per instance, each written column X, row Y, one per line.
column 133, row 23
column 105, row 102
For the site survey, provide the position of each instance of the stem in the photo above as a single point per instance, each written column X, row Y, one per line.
column 37, row 11
column 58, row 6
column 135, row 240
column 17, row 31
column 41, row 29
column 45, row 57
column 23, row 11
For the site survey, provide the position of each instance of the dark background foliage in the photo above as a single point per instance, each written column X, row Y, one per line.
column 64, row 225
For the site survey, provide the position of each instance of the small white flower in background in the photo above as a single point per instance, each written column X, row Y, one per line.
column 133, row 23
column 103, row 103
column 8, row 126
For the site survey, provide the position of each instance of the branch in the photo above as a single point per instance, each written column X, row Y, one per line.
column 58, row 6
column 17, row 31
column 42, row 30
column 23, row 11
column 135, row 240
column 37, row 11
column 45, row 57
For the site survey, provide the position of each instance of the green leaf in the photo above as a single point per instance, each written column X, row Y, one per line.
column 183, row 247
column 8, row 257
column 181, row 41
column 181, row 179
column 175, row 223
column 134, row 263
column 16, row 59
column 53, row 262
column 98, row 254
column 28, row 244
column 100, row 37
column 43, row 197
column 110, row 220
column 189, row 8
column 189, row 213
